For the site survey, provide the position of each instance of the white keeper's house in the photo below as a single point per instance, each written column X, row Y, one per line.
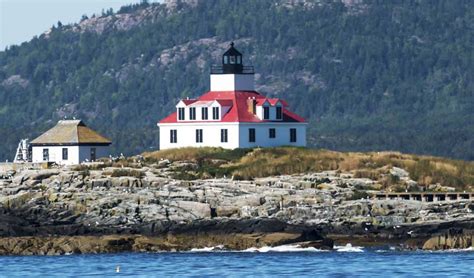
column 69, row 142
column 232, row 114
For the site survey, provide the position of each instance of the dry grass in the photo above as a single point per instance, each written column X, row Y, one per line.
column 252, row 163
column 279, row 161
column 126, row 172
column 194, row 154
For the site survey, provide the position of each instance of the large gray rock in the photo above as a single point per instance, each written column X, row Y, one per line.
column 195, row 209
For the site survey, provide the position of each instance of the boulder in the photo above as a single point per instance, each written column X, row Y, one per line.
column 399, row 172
column 227, row 211
column 198, row 210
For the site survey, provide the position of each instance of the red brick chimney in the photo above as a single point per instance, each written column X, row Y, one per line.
column 252, row 105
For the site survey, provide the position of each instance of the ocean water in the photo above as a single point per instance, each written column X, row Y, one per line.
column 288, row 261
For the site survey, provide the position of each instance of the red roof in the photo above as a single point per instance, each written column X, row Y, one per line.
column 239, row 111
column 272, row 101
column 189, row 101
column 225, row 102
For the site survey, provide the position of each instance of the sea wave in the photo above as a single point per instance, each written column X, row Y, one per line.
column 348, row 248
column 283, row 248
column 209, row 249
column 264, row 249
column 469, row 249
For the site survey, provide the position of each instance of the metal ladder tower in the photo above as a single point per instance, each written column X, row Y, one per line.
column 22, row 152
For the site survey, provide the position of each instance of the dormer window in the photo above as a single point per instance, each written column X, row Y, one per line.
column 266, row 113
column 215, row 113
column 181, row 114
column 204, row 113
column 192, row 113
column 279, row 114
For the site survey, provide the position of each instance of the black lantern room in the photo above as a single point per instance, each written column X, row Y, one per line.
column 232, row 63
column 232, row 60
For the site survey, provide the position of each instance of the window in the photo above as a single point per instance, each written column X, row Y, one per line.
column 192, row 113
column 93, row 154
column 181, row 114
column 65, row 154
column 293, row 135
column 232, row 59
column 278, row 113
column 45, row 154
column 173, row 136
column 198, row 135
column 215, row 113
column 239, row 60
column 223, row 135
column 251, row 134
column 204, row 113
column 266, row 113
column 226, row 60
column 272, row 133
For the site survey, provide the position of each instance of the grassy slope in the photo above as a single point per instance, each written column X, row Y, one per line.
column 252, row 163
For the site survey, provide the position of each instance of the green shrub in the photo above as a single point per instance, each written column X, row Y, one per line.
column 358, row 194
column 124, row 172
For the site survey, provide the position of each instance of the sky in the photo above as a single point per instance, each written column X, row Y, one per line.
column 20, row 20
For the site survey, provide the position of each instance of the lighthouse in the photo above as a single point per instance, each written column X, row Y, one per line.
column 232, row 114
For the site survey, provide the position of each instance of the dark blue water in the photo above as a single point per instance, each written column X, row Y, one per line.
column 228, row 264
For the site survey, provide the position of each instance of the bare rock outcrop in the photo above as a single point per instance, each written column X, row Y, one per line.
column 147, row 202
column 451, row 239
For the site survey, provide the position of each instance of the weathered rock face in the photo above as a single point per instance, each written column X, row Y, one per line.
column 45, row 203
column 127, row 21
column 15, row 80
column 452, row 239
column 230, row 234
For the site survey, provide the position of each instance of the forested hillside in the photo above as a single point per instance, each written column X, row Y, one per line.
column 367, row 75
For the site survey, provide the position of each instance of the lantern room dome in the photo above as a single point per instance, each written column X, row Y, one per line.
column 232, row 60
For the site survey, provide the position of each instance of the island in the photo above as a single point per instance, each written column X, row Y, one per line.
column 180, row 199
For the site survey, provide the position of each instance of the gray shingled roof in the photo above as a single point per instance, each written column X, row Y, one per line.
column 70, row 132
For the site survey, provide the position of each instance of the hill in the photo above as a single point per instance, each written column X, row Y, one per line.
column 394, row 75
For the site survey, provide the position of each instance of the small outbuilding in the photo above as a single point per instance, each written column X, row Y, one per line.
column 69, row 142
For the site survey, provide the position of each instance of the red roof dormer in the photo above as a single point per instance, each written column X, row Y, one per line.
column 239, row 108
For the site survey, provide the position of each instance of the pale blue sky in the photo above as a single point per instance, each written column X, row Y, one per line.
column 20, row 20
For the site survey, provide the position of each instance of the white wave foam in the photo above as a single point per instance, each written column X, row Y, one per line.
column 208, row 249
column 390, row 249
column 348, row 248
column 469, row 249
column 283, row 248
column 264, row 249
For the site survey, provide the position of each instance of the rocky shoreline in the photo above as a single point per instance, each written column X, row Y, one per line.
column 63, row 211
column 230, row 235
